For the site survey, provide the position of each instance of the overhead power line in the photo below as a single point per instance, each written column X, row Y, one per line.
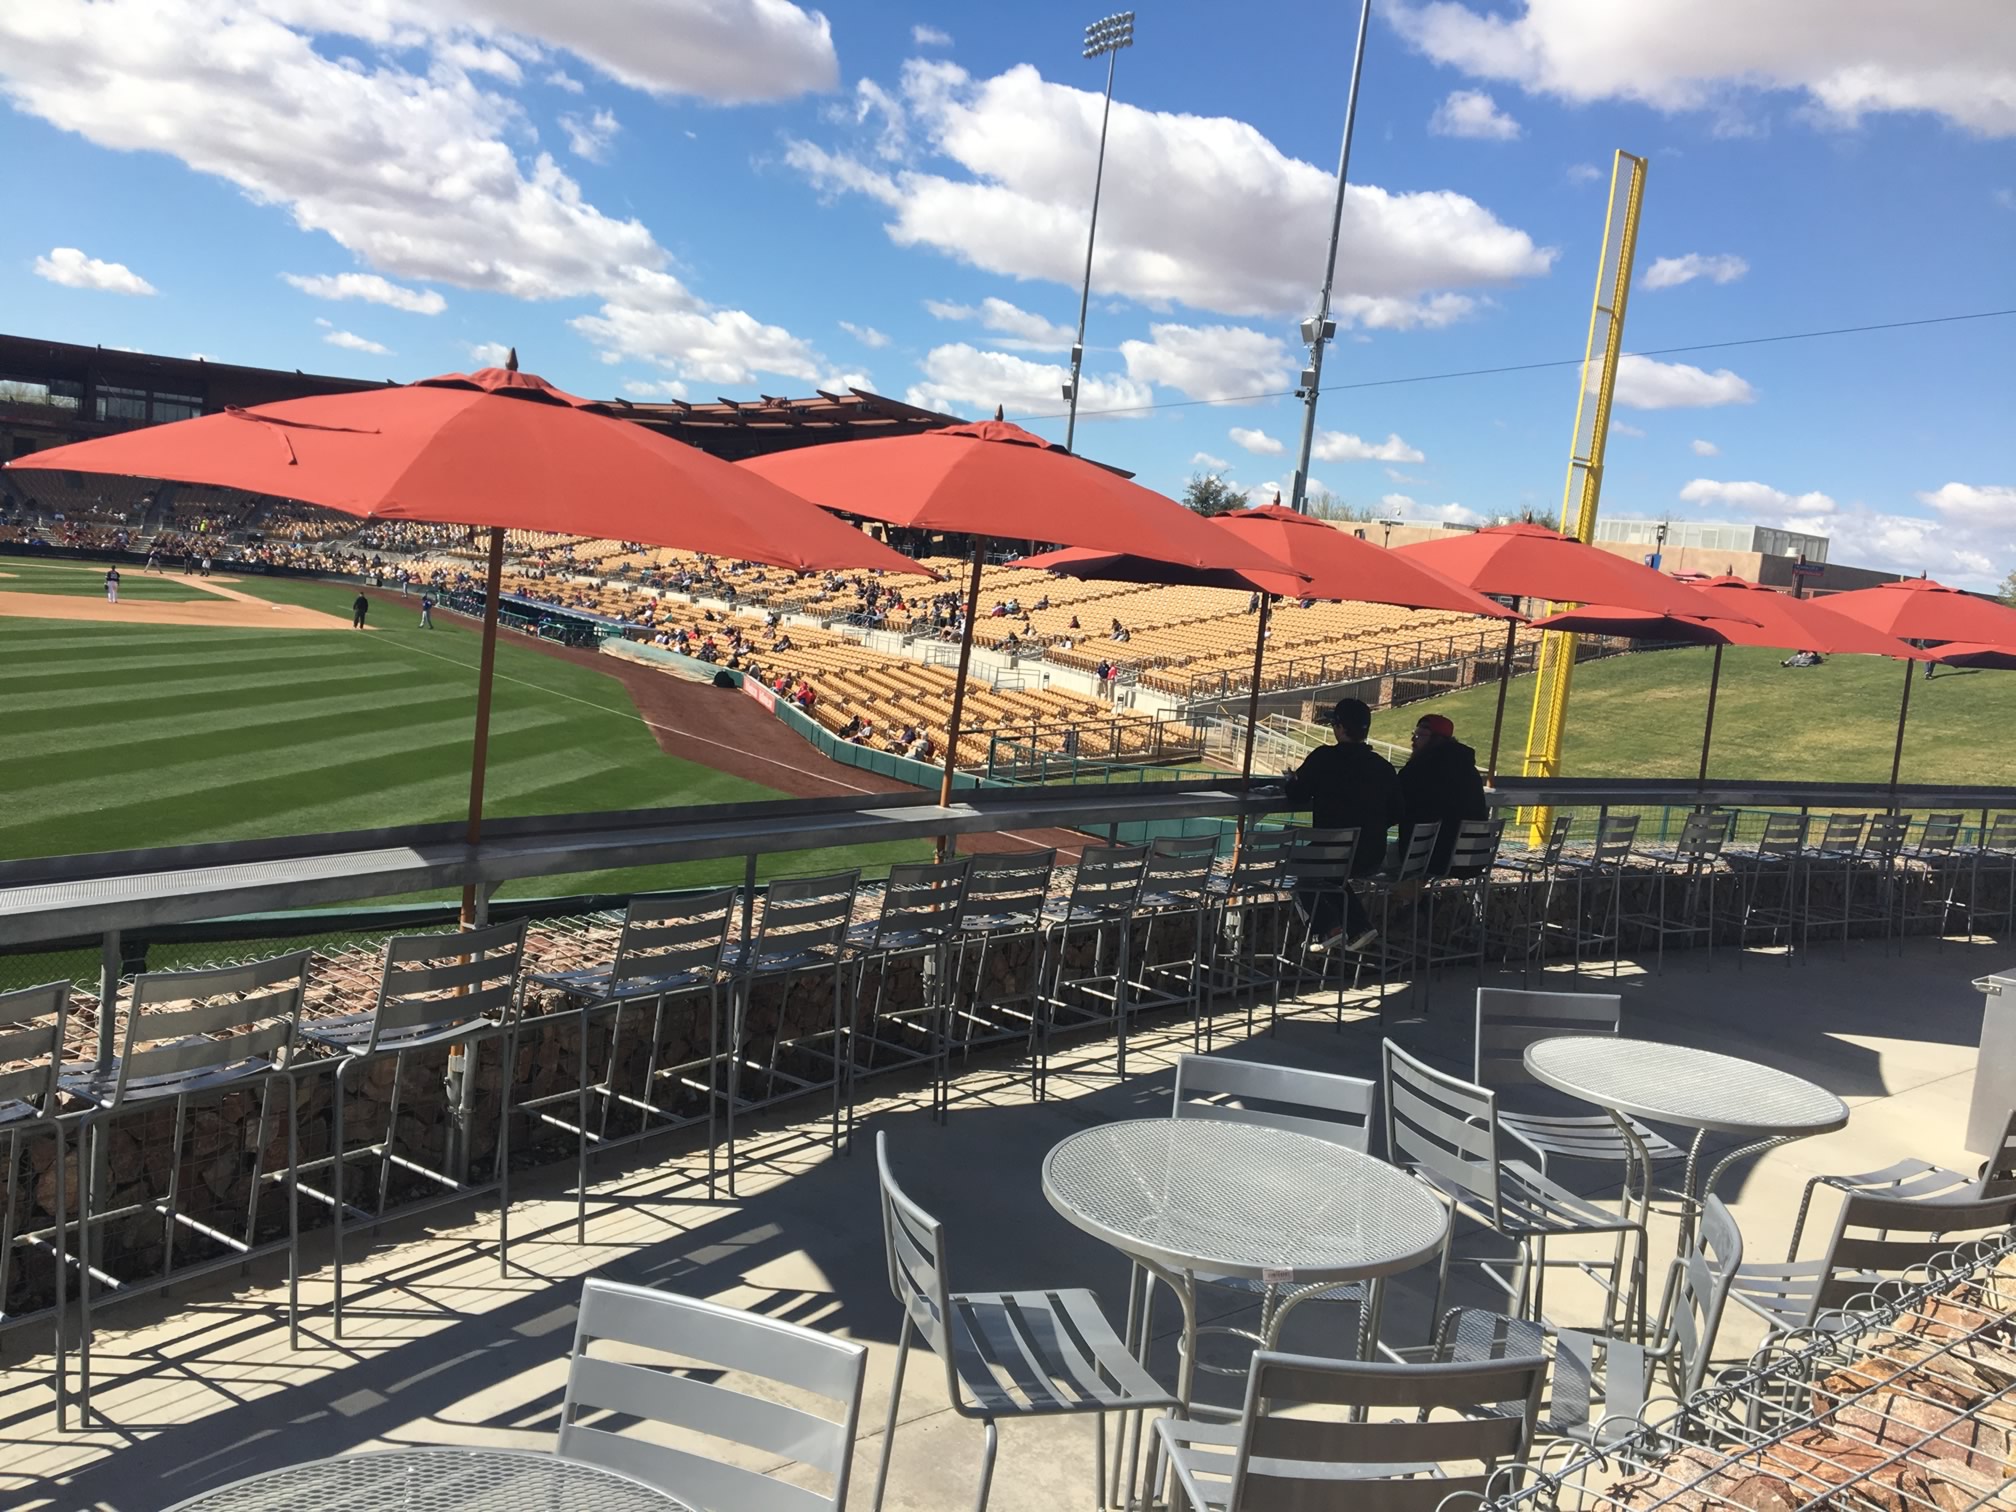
column 1533, row 367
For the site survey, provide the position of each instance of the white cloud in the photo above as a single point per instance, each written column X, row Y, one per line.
column 590, row 138
column 1208, row 462
column 964, row 379
column 1255, row 441
column 654, row 318
column 351, row 341
column 1402, row 507
column 1398, row 476
column 1210, row 362
column 1972, row 506
column 1341, row 446
column 654, row 388
column 2006, row 198
column 841, row 382
column 1755, row 498
column 370, row 288
column 930, row 36
column 1021, row 330
column 1719, row 267
column 1848, row 58
column 1702, row 448
column 1254, row 220
column 1472, row 113
column 1891, row 542
column 1646, row 383
column 561, row 79
column 867, row 335
column 1583, row 173
column 71, row 268
column 1625, row 428
column 489, row 354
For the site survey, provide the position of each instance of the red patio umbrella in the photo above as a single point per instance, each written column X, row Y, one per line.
column 1530, row 561
column 994, row 479
column 1982, row 658
column 496, row 448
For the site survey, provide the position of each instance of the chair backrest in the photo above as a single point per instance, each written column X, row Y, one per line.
column 804, row 917
column 1784, row 835
column 1557, row 839
column 1262, row 861
column 448, row 980
column 665, row 937
column 1998, row 1171
column 1703, row 835
column 686, row 1391
column 1007, row 890
column 31, row 1042
column 922, row 901
column 1701, row 1290
column 1886, row 836
column 1893, row 1239
column 1108, row 880
column 1843, row 832
column 919, row 1269
column 1420, row 851
column 1442, row 1127
column 2001, row 836
column 189, row 1029
column 1615, row 835
column 1477, row 842
column 1938, row 836
column 1511, row 1018
column 1179, row 866
column 1318, row 1103
column 1414, row 1422
column 1321, row 858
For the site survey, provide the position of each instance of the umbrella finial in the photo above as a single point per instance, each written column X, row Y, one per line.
column 999, row 413
column 511, row 361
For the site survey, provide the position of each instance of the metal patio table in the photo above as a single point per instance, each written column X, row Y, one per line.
column 1191, row 1197
column 450, row 1480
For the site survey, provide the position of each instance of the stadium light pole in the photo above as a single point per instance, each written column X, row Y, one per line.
column 1104, row 37
column 1318, row 330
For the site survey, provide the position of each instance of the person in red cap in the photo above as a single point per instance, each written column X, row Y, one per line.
column 1440, row 784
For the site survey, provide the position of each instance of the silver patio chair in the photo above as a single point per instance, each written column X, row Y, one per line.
column 1462, row 902
column 681, row 1364
column 191, row 1034
column 1920, row 1179
column 1536, row 874
column 802, row 933
column 922, row 904
column 668, row 957
column 1768, row 875
column 1876, row 877
column 445, row 992
column 1599, row 890
column 1691, row 867
column 1384, row 893
column 1005, row 894
column 1105, row 891
column 32, row 1022
column 1009, row 1355
column 1249, row 906
column 1993, row 858
column 1175, row 896
column 1447, row 1131
column 1317, row 875
column 1933, row 872
column 1400, row 1437
column 1831, row 861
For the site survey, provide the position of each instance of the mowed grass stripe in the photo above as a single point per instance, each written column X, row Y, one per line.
column 223, row 691
column 172, row 732
column 36, row 671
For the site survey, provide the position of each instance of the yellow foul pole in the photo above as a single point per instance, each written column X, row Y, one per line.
column 1549, row 722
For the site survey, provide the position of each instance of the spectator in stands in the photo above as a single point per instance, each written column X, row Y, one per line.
column 1440, row 783
column 852, row 728
column 1043, row 602
column 1116, row 632
column 805, row 696
column 1347, row 786
column 1253, row 604
column 919, row 749
column 1074, row 623
column 359, row 607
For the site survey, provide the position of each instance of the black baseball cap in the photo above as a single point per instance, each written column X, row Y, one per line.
column 1353, row 715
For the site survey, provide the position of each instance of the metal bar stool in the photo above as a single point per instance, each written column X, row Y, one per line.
column 1317, row 873
column 801, row 933
column 1930, row 876
column 921, row 908
column 32, row 1023
column 1831, row 858
column 191, row 1034
column 1105, row 889
column 1388, row 956
column 1465, row 896
column 1249, row 898
column 669, row 952
column 1768, row 896
column 1693, row 863
column 436, row 991
column 1175, row 888
column 1536, row 874
column 1993, row 858
column 1599, row 889
column 1005, row 894
column 1881, row 866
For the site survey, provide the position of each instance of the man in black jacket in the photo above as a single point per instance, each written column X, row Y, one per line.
column 1440, row 784
column 1347, row 786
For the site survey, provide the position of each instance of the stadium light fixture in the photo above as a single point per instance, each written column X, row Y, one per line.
column 1103, row 38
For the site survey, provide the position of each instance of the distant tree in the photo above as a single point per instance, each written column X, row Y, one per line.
column 1325, row 505
column 1210, row 494
column 2008, row 591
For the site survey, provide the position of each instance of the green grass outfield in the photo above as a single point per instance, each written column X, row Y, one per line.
column 85, row 581
column 1641, row 715
column 114, row 736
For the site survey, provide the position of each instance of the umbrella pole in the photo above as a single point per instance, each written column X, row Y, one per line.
column 1903, row 710
column 1708, row 726
column 1504, row 682
column 1252, row 718
column 492, row 591
column 959, row 693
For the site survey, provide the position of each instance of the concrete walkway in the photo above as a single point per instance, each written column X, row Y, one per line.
column 438, row 1349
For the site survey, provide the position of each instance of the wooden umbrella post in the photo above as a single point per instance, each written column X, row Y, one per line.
column 1252, row 718
column 959, row 692
column 493, row 590
column 1708, row 725
column 1504, row 682
column 1903, row 712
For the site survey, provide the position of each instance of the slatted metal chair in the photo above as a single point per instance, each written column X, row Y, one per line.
column 1599, row 890
column 1932, row 875
column 1391, row 956
column 1918, row 1180
column 32, row 1023
column 1462, row 899
column 1768, row 895
column 1395, row 1442
column 802, row 933
column 1689, row 867
column 188, row 1035
column 1005, row 894
column 1536, row 873
column 1447, row 1131
column 922, row 905
column 1249, row 899
column 1175, row 894
column 1105, row 890
column 447, row 992
column 1832, row 858
column 668, row 957
column 1993, row 859
column 1876, row 878
column 1317, row 872
column 1878, row 1243
column 681, row 1366
column 1006, row 1355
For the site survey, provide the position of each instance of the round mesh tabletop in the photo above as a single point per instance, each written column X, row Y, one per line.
column 450, row 1480
column 1697, row 1089
column 1240, row 1199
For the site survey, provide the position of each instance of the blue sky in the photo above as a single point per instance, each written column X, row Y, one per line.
column 725, row 197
